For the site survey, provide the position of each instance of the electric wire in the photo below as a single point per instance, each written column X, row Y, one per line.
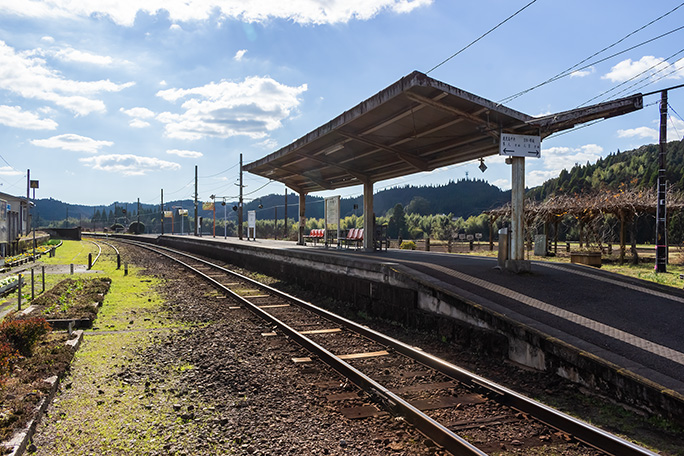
column 646, row 71
column 674, row 70
column 220, row 172
column 481, row 36
column 575, row 70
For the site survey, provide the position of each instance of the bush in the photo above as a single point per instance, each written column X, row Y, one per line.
column 22, row 335
column 408, row 245
column 7, row 356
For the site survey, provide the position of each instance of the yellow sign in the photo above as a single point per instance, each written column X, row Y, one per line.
column 168, row 214
column 206, row 206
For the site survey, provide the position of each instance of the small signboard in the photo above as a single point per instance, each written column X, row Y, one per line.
column 207, row 206
column 520, row 145
column 470, row 237
column 251, row 219
column 168, row 214
column 182, row 212
column 478, row 236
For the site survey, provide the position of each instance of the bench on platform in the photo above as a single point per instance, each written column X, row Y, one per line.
column 354, row 236
column 315, row 235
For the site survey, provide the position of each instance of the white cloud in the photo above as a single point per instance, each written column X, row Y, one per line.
column 269, row 143
column 555, row 159
column 29, row 77
column 74, row 55
column 9, row 171
column 185, row 153
column 71, row 142
column 138, row 123
column 503, row 184
column 175, row 27
column 163, row 83
column 240, row 54
column 250, row 108
column 128, row 164
column 14, row 116
column 138, row 112
column 628, row 69
column 138, row 115
column 675, row 129
column 583, row 73
column 640, row 132
column 48, row 39
column 300, row 11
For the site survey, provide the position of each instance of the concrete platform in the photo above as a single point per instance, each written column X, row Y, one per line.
column 619, row 335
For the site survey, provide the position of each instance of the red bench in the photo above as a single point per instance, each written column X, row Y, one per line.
column 355, row 235
column 315, row 235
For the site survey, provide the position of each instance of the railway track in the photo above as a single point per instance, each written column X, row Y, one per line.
column 464, row 413
column 99, row 251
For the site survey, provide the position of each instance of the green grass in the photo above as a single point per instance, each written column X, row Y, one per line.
column 98, row 411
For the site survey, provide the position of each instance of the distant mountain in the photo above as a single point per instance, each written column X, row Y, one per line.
column 636, row 168
column 462, row 198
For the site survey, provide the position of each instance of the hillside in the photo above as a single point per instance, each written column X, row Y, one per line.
column 462, row 198
column 636, row 168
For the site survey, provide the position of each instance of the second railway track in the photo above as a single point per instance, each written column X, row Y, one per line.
column 464, row 413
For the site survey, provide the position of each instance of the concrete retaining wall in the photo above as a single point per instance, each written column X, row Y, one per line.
column 391, row 291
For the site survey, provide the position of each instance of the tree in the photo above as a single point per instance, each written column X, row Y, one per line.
column 397, row 224
column 419, row 205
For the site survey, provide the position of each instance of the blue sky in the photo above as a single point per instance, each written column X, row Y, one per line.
column 113, row 101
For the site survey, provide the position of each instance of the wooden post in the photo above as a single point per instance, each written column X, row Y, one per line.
column 491, row 233
column 368, row 227
column 623, row 235
column 302, row 218
column 518, row 209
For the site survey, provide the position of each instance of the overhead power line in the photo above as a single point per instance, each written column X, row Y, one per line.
column 481, row 36
column 575, row 68
column 646, row 72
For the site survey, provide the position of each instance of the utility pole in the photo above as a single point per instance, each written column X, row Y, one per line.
column 28, row 203
column 275, row 224
column 240, row 203
column 196, row 219
column 161, row 208
column 661, row 212
column 138, row 229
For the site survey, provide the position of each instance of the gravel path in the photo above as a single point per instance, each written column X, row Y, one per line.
column 203, row 380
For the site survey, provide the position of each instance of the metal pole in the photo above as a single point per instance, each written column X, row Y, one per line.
column 302, row 218
column 195, row 200
column 28, row 204
column 275, row 224
column 161, row 207
column 225, row 221
column 661, row 211
column 33, row 286
column 137, row 231
column 34, row 227
column 43, row 279
column 240, row 203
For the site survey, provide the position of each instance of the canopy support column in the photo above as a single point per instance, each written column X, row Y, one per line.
column 302, row 218
column 368, row 216
column 517, row 261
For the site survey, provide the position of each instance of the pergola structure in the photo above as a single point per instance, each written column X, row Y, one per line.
column 415, row 125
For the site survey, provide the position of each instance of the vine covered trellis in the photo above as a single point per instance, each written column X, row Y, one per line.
column 591, row 213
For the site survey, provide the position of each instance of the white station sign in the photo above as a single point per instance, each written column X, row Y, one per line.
column 520, row 145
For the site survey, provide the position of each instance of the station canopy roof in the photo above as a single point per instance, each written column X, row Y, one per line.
column 416, row 124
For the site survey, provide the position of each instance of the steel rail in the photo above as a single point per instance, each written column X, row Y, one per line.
column 393, row 403
column 99, row 252
column 112, row 246
column 580, row 430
